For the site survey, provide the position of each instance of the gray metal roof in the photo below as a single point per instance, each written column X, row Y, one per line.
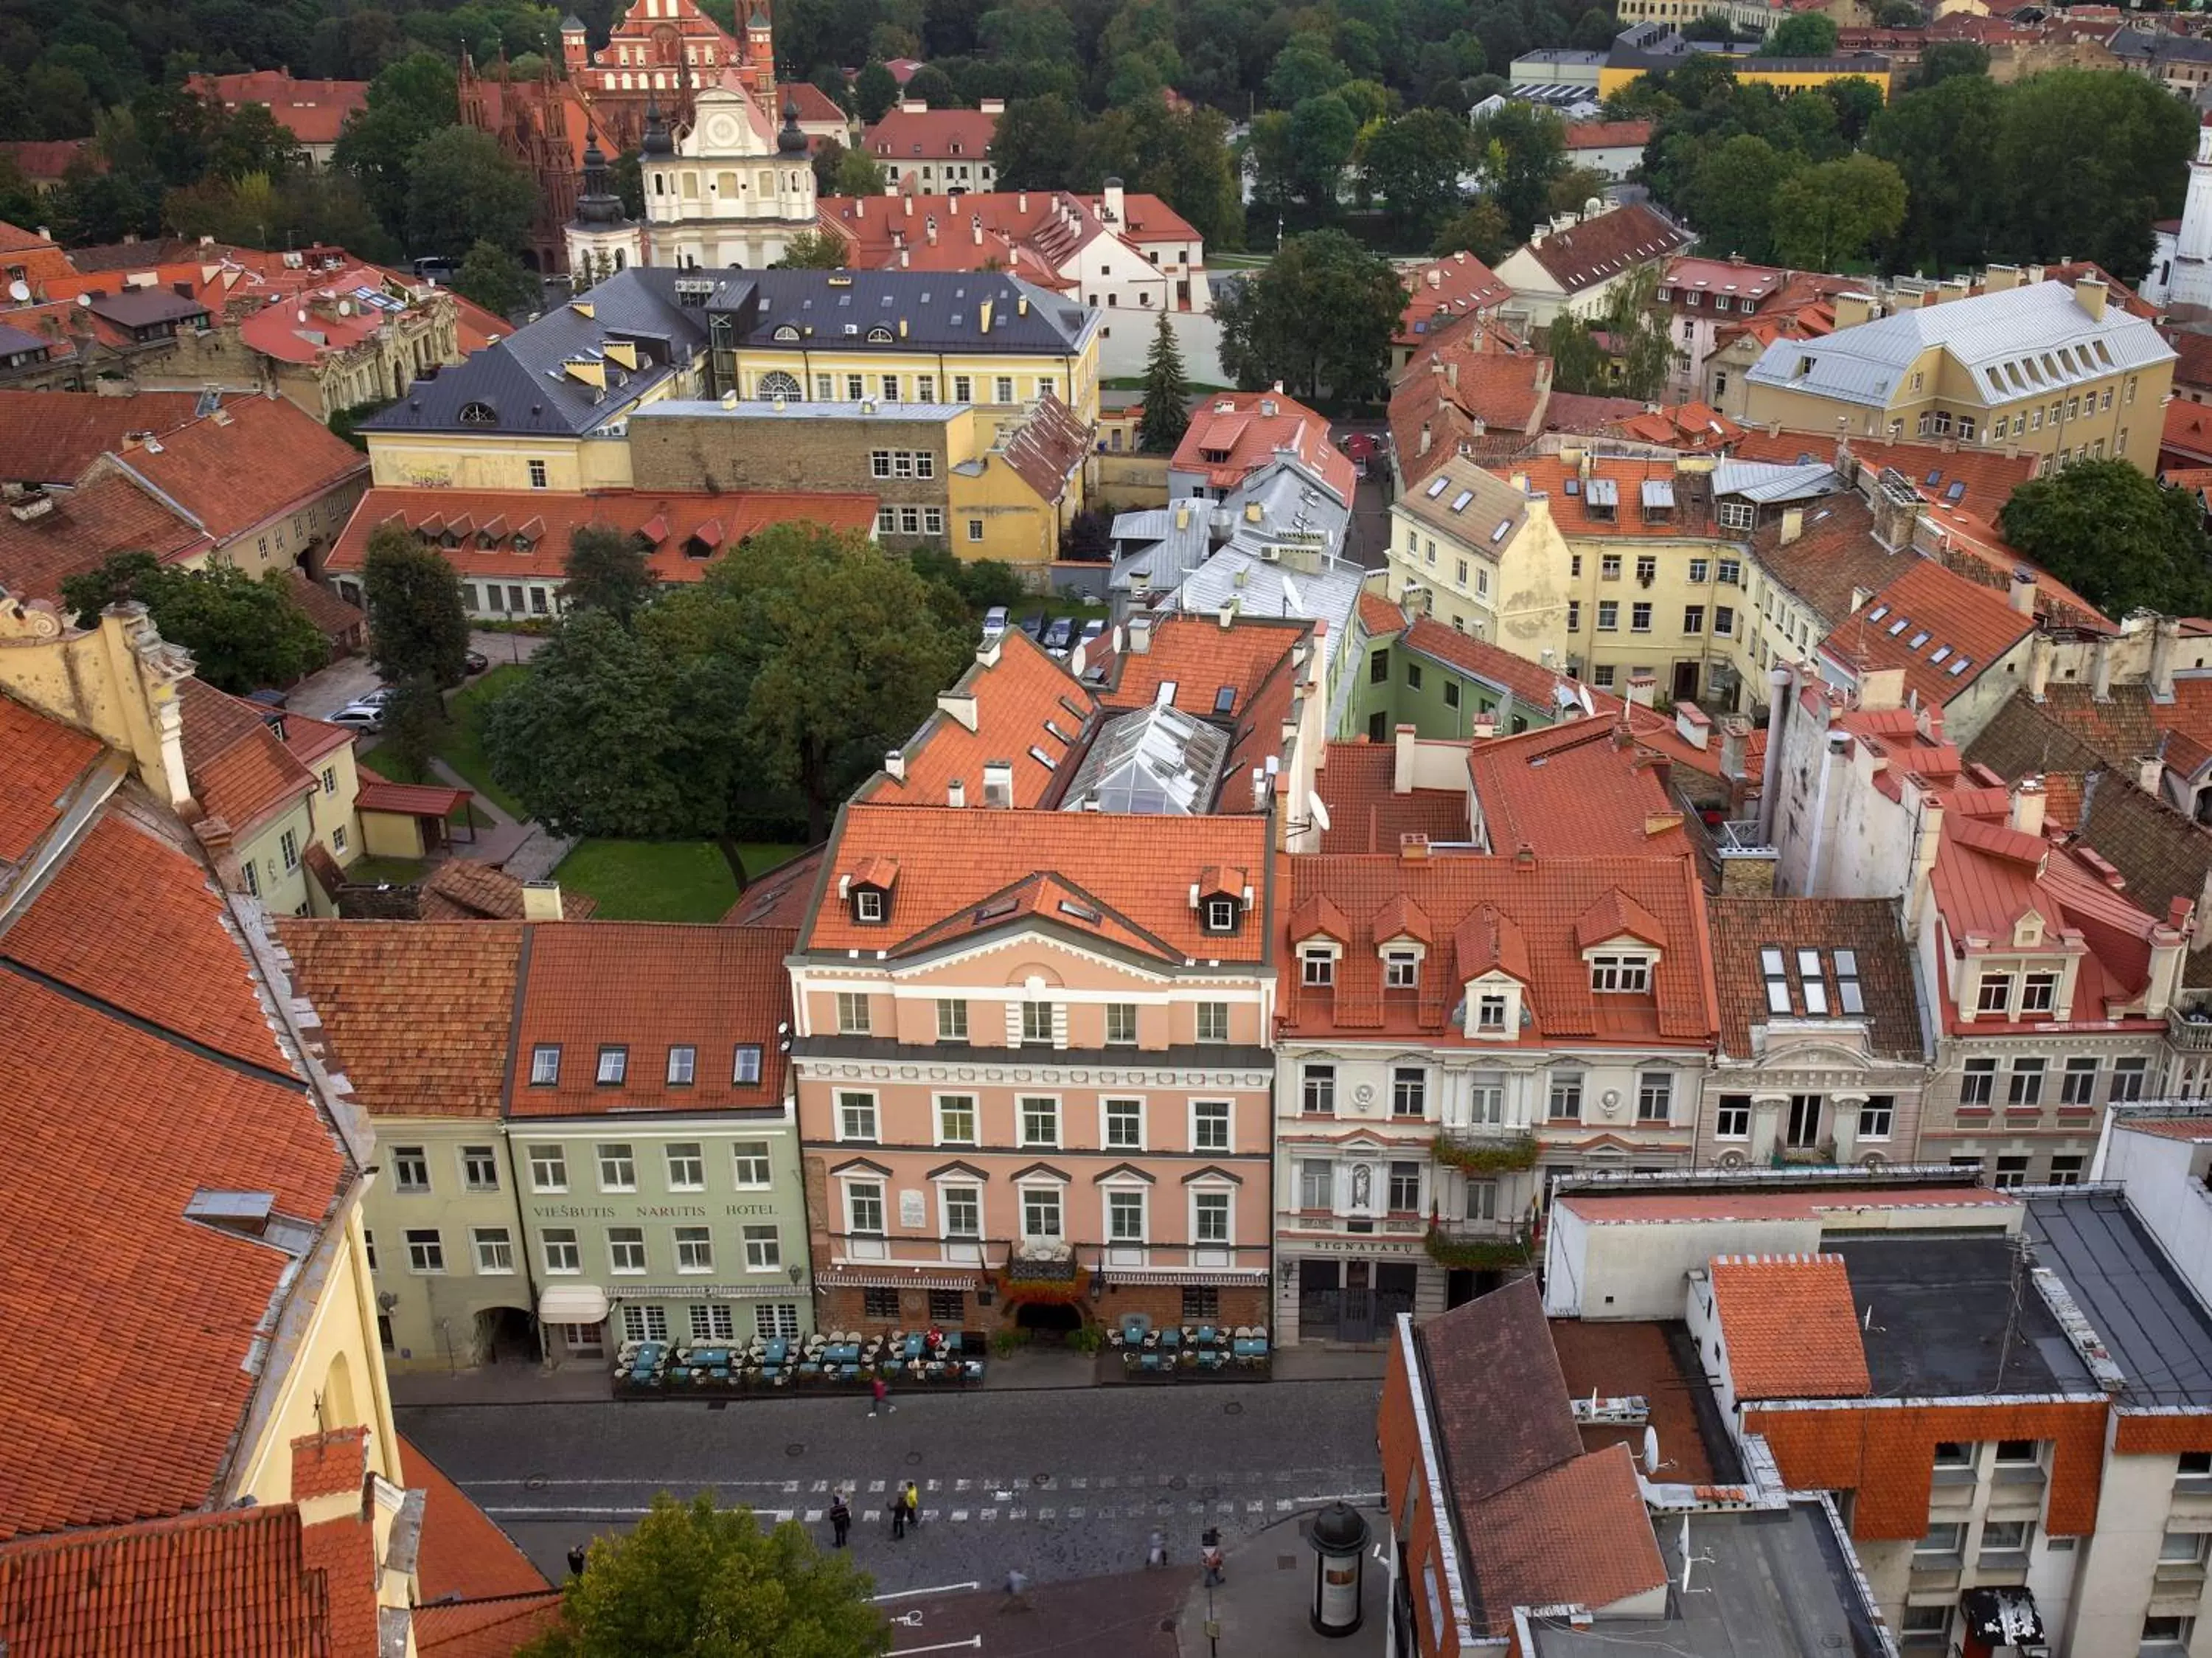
column 2149, row 1320
column 696, row 408
column 939, row 310
column 2035, row 339
column 1766, row 480
column 1158, row 760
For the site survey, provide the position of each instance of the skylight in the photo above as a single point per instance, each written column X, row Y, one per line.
column 1955, row 494
column 1937, row 654
column 1809, row 981
column 1068, row 906
column 1917, row 641
column 1877, row 613
column 1899, row 625
column 1778, row 983
column 1460, row 501
column 1847, row 980
column 1959, row 665
column 1438, row 487
column 1498, row 534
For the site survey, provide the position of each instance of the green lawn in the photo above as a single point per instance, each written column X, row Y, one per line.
column 662, row 881
column 464, row 748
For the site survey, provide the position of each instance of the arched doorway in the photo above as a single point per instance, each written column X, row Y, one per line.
column 1048, row 1321
column 505, row 1336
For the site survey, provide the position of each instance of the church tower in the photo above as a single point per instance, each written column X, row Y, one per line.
column 760, row 58
column 601, row 239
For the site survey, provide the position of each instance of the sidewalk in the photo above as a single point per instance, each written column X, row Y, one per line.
column 1263, row 1603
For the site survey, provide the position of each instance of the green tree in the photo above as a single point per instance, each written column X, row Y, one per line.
column 1319, row 316
column 1304, row 68
column 1323, row 135
column 494, row 278
column 465, row 189
column 1520, row 149
column 1941, row 60
column 2090, row 160
column 813, row 250
column 416, row 623
column 1167, row 394
column 1642, row 352
column 414, row 726
column 859, row 173
column 248, row 139
column 698, row 1582
column 1578, row 365
column 1943, row 141
column 2116, row 536
column 1899, row 14
column 606, row 571
column 1480, row 230
column 875, row 89
column 933, row 87
column 1574, row 189
column 1731, row 198
column 1034, row 142
column 404, row 105
column 1803, row 34
column 244, row 632
column 1413, row 164
column 1832, row 214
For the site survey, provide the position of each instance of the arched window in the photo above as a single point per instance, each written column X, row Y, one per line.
column 879, row 335
column 786, row 332
column 479, row 414
column 778, row 384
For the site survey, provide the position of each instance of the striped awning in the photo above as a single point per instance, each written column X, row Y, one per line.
column 1219, row 1275
column 920, row 1278
column 709, row 1292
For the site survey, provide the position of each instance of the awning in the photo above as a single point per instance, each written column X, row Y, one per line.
column 924, row 1279
column 1217, row 1277
column 572, row 1303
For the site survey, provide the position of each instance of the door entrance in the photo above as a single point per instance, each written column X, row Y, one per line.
column 1804, row 1121
column 1052, row 1321
column 1686, row 682
column 504, row 1336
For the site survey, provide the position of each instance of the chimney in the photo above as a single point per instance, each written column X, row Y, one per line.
column 895, row 764
column 913, row 105
column 956, row 793
column 2027, row 804
column 2150, row 774
column 541, row 900
column 2023, row 589
column 1260, row 785
column 909, row 206
column 958, row 706
column 1021, row 201
column 1852, row 309
column 1999, row 278
column 1141, row 635
column 1425, row 438
column 2089, row 294
column 1414, row 848
column 1436, row 277
column 983, row 318
column 1793, row 524
column 1451, row 372
column 1925, row 846
column 1643, row 689
column 1881, row 689
column 976, row 228
column 1694, row 726
column 2100, row 668
column 1735, row 747
column 2039, row 653
column 990, row 106
column 1402, row 741
column 2162, row 645
column 1115, row 208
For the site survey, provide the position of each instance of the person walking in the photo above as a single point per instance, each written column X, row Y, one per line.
column 1155, row 1549
column 1209, row 1556
column 577, row 1560
column 879, row 1398
column 912, row 1497
column 841, row 1519
column 898, row 1516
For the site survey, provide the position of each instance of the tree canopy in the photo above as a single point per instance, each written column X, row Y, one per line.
column 417, row 622
column 606, row 571
column 244, row 632
column 1319, row 318
column 2116, row 536
column 1167, row 394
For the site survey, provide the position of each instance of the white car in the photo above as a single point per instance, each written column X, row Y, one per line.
column 361, row 716
column 994, row 623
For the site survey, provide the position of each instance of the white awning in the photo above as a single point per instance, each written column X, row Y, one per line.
column 572, row 1303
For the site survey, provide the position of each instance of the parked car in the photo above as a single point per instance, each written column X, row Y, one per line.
column 476, row 662
column 994, row 623
column 1033, row 625
column 361, row 716
column 376, row 698
column 1093, row 628
column 1060, row 636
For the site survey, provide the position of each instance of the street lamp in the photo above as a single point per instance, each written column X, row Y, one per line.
column 1338, row 1536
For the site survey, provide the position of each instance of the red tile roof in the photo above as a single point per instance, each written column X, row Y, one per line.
column 1602, row 247
column 327, row 1464
column 46, row 160
column 461, row 889
column 237, row 1582
column 1617, row 1357
column 1582, row 789
column 378, row 793
column 1047, row 450
column 1731, row 279
column 114, row 1118
column 312, row 111
column 254, row 458
column 649, row 987
column 416, row 1015
column 1607, row 135
column 1532, row 685
column 485, row 1629
column 1790, row 1327
column 239, row 769
column 1442, row 292
column 1548, row 475
column 1234, row 434
column 79, row 531
column 1953, row 619
column 1557, row 905
column 51, row 437
column 2195, row 367
column 814, row 104
column 781, row 896
column 902, row 139
column 1024, row 700
column 1694, row 426
column 1460, row 393
column 41, row 258
column 47, row 760
column 463, row 1556
column 1035, row 233
column 487, row 524
column 344, row 1551
column 2196, row 1131
column 1365, row 814
column 1136, row 871
column 1743, row 927
column 2188, row 432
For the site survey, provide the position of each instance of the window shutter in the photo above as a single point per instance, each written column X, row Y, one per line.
column 1013, row 1024
column 1060, row 1024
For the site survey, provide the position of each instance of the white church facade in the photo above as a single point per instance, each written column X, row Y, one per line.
column 2181, row 259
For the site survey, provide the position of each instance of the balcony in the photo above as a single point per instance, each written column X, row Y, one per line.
column 1485, row 1150
column 2189, row 1033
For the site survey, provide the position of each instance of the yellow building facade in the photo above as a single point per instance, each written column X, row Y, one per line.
column 1784, row 75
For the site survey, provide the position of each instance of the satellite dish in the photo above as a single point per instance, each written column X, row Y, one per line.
column 19, row 291
column 345, row 307
column 85, row 299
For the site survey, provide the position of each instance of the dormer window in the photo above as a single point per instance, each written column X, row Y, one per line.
column 1490, row 1009
column 1402, row 969
column 2039, row 993
column 1221, row 915
column 1994, row 994
column 1620, row 975
column 867, row 905
column 1317, row 967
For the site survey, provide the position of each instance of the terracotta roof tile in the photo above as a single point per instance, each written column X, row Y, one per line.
column 1533, row 685
column 1202, row 658
column 254, row 458
column 1584, row 415
column 1947, row 620
column 902, row 139
column 1444, row 292
column 237, row 1582
column 1604, row 246
column 47, row 760
column 1550, row 901
column 1047, row 449
column 2195, row 367
column 1378, row 615
column 311, row 111
column 487, row 524
column 781, row 896
column 94, row 1195
column 1023, row 701
column 240, row 769
column 646, row 988
column 417, row 1015
column 1460, row 393
column 1232, row 434
column 1869, row 928
column 1549, row 476
column 52, row 437
column 1607, row 135
column 1573, row 790
column 1365, row 814
column 485, row 1629
column 463, row 1556
column 953, row 861
column 378, row 793
column 332, row 616
column 345, row 1552
column 461, row 889
column 328, row 1464
column 1834, row 554
column 79, row 531
column 1790, row 1327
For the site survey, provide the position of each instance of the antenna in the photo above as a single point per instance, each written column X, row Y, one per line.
column 1689, row 1560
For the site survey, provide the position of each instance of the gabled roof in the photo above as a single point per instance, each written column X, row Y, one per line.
column 1863, row 933
column 461, row 889
column 1833, row 556
column 905, row 136
column 956, row 863
column 252, row 459
column 649, row 987
column 1356, row 783
column 1944, row 631
column 311, row 111
column 240, row 769
column 1789, row 1325
column 1246, row 430
column 1616, row 915
column 1442, row 292
column 1581, row 789
column 78, row 532
column 1458, row 392
column 1531, row 685
column 48, row 760
column 416, row 1015
column 1602, row 247
column 1023, row 701
column 52, row 437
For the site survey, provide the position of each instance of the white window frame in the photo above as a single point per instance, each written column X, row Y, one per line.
column 1022, row 1103
column 545, row 1065
column 858, row 1187
column 762, row 1253
column 682, row 1064
column 612, row 1069
column 944, row 1136
column 558, row 1250
column 1213, row 1251
column 855, row 1099
column 1032, row 1188
column 1106, row 1140
column 687, row 1166
column 694, row 1250
column 469, row 1182
column 1210, row 1022
column 426, row 1251
column 744, row 1155
column 619, row 1264
column 617, row 1152
column 1228, row 1119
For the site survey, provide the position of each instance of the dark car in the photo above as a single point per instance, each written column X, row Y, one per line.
column 268, row 699
column 1032, row 625
column 476, row 662
column 1060, row 635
